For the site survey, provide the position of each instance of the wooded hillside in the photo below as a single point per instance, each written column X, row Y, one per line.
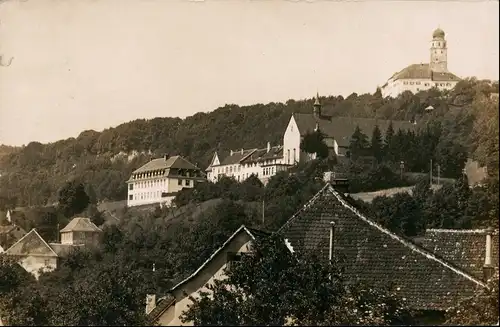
column 31, row 175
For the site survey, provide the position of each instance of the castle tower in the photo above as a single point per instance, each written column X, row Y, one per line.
column 439, row 52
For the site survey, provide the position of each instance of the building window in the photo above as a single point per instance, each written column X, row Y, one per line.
column 179, row 182
column 131, row 186
column 418, row 83
column 418, row 89
column 294, row 156
column 288, row 156
column 186, row 182
column 47, row 262
column 426, row 84
column 131, row 197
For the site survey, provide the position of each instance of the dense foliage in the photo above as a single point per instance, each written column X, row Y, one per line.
column 32, row 174
column 480, row 310
column 273, row 286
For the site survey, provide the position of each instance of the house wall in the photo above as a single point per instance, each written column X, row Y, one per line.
column 291, row 142
column 33, row 264
column 214, row 270
column 150, row 191
column 394, row 88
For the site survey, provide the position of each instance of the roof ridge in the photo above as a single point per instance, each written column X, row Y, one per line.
column 242, row 227
column 305, row 206
column 462, row 231
column 402, row 240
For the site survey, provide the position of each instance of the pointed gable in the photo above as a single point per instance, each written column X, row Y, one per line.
column 375, row 255
column 215, row 160
column 31, row 244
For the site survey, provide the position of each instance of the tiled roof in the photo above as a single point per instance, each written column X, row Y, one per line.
column 444, row 77
column 236, row 157
column 176, row 162
column 466, row 249
column 63, row 250
column 31, row 244
column 375, row 255
column 81, row 225
column 342, row 128
column 423, row 71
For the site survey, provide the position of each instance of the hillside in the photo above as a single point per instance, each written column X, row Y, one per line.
column 31, row 175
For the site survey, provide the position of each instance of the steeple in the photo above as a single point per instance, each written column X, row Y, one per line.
column 317, row 107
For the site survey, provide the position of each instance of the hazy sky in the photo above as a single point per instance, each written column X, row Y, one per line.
column 93, row 64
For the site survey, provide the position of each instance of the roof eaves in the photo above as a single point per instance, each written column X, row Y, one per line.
column 242, row 227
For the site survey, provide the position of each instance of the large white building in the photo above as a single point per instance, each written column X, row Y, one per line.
column 423, row 76
column 159, row 180
column 265, row 163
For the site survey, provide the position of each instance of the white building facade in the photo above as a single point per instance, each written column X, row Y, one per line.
column 263, row 163
column 159, row 180
column 424, row 76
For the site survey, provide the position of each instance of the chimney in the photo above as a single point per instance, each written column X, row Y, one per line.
column 488, row 268
column 241, row 151
column 268, row 146
column 332, row 235
column 166, row 156
column 230, row 152
column 150, row 303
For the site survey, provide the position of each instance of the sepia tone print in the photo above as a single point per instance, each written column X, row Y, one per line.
column 245, row 163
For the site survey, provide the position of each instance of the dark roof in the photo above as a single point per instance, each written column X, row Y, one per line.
column 375, row 255
column 423, row 71
column 176, row 162
column 466, row 249
column 236, row 157
column 342, row 128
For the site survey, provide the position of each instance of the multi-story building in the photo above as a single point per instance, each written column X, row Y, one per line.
column 241, row 164
column 159, row 180
column 265, row 163
column 423, row 76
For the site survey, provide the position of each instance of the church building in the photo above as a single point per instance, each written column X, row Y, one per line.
column 423, row 76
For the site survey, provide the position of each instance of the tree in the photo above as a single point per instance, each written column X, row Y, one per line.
column 358, row 144
column 480, row 310
column 376, row 144
column 313, row 143
column 273, row 286
column 389, row 134
column 73, row 199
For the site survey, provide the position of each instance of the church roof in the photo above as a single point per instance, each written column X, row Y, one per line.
column 423, row 71
column 342, row 128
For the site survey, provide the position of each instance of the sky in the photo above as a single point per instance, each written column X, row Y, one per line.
column 94, row 64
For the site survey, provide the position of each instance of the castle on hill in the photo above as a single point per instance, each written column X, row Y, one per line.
column 423, row 76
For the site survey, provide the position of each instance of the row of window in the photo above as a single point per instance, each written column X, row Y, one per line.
column 268, row 171
column 237, row 168
column 426, row 84
column 145, row 195
column 156, row 183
